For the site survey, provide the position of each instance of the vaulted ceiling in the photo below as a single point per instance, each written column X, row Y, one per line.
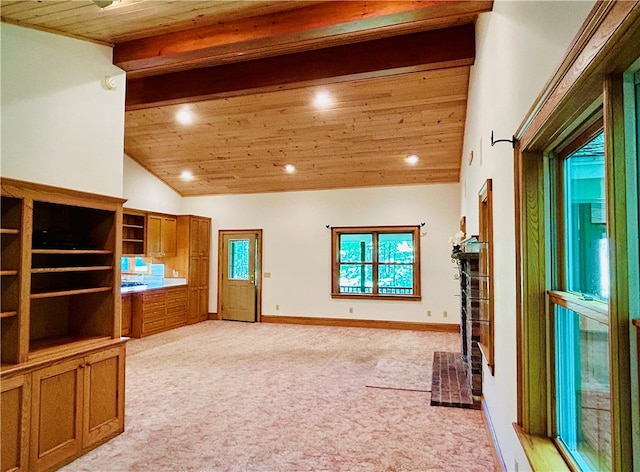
column 247, row 72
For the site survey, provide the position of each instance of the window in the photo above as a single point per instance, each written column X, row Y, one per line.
column 578, row 265
column 580, row 312
column 379, row 262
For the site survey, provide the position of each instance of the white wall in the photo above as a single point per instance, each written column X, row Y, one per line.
column 59, row 125
column 297, row 246
column 518, row 47
column 144, row 191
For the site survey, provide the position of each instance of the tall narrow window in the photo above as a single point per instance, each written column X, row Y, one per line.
column 580, row 311
column 382, row 262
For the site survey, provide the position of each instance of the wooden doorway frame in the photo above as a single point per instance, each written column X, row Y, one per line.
column 258, row 268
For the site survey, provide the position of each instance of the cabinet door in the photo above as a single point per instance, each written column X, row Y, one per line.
column 204, row 234
column 203, row 294
column 56, row 414
column 103, row 413
column 154, row 235
column 194, row 304
column 169, row 236
column 16, row 394
column 126, row 315
column 203, row 273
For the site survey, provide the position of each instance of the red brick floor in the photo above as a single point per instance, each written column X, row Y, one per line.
column 450, row 381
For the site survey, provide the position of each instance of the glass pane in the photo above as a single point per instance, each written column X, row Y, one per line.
column 239, row 259
column 356, row 248
column 396, row 279
column 583, row 406
column 586, row 243
column 396, row 247
column 356, row 278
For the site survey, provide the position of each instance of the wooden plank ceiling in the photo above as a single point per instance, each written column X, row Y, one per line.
column 247, row 72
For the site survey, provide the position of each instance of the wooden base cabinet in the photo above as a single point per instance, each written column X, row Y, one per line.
column 16, row 397
column 158, row 310
column 56, row 413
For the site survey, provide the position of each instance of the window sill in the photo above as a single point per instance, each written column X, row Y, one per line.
column 368, row 296
column 541, row 452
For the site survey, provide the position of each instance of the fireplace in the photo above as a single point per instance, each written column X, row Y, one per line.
column 470, row 320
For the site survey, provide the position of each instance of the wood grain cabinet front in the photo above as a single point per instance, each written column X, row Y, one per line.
column 15, row 402
column 75, row 406
column 161, row 235
column 158, row 310
column 194, row 240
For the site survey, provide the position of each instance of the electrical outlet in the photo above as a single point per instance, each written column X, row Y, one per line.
column 350, row 309
column 444, row 314
column 277, row 307
column 428, row 312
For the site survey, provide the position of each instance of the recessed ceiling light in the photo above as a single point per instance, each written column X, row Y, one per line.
column 322, row 100
column 106, row 3
column 186, row 175
column 184, row 117
column 290, row 168
column 412, row 159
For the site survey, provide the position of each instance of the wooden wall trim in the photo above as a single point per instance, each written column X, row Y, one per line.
column 598, row 47
column 354, row 323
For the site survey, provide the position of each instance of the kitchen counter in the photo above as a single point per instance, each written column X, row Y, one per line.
column 153, row 286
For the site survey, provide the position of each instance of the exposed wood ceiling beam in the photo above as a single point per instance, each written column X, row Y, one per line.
column 399, row 54
column 302, row 29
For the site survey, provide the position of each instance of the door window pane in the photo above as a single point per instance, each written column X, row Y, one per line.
column 585, row 232
column 583, row 406
column 239, row 259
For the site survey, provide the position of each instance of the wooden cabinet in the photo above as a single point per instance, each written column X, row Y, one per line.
column 60, row 308
column 127, row 308
column 161, row 235
column 133, row 233
column 16, row 396
column 194, row 240
column 76, row 405
column 158, row 310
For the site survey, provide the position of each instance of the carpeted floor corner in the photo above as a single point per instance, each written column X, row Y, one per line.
column 225, row 396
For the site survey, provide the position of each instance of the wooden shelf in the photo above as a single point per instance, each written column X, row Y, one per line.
column 71, row 251
column 49, row 270
column 8, row 314
column 9, row 231
column 133, row 240
column 64, row 293
column 8, row 272
column 133, row 226
column 41, row 348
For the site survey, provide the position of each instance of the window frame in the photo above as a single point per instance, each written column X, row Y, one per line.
column 374, row 231
column 592, row 75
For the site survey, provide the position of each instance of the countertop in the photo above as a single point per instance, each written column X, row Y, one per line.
column 153, row 286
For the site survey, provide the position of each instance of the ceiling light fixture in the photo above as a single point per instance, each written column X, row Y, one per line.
column 289, row 168
column 184, row 117
column 106, row 3
column 186, row 175
column 412, row 159
column 322, row 100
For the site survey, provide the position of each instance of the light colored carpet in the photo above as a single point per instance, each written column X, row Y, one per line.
column 401, row 375
column 225, row 396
